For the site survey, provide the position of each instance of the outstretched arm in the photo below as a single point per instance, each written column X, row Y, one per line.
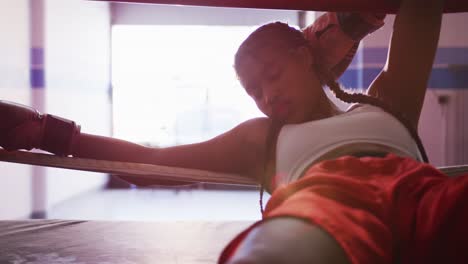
column 238, row 151
column 232, row 152
column 403, row 81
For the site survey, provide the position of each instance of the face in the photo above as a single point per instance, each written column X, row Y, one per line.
column 283, row 84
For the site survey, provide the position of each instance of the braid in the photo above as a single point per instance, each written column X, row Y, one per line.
column 366, row 99
column 269, row 142
column 262, row 191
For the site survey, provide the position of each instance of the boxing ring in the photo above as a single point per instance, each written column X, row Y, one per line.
column 148, row 171
column 389, row 7
column 68, row 241
column 125, row 242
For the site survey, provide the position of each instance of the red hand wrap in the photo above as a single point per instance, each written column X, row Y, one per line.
column 58, row 135
column 336, row 37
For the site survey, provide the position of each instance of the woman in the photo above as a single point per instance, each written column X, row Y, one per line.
column 363, row 196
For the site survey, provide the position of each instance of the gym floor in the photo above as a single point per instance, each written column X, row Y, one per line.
column 161, row 205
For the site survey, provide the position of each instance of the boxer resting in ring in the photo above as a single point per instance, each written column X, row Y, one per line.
column 347, row 186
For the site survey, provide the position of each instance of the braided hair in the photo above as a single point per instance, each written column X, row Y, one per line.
column 281, row 35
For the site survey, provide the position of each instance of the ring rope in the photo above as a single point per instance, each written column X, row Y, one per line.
column 149, row 171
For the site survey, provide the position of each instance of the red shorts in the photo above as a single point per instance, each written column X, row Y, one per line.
column 380, row 210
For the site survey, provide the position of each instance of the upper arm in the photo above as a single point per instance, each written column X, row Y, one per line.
column 403, row 81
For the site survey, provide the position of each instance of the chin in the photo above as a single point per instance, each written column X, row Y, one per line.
column 296, row 121
column 289, row 119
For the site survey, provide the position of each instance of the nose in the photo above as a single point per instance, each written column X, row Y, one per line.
column 270, row 99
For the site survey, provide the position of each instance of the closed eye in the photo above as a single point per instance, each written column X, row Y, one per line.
column 252, row 88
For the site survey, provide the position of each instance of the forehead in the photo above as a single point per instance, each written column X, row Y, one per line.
column 257, row 62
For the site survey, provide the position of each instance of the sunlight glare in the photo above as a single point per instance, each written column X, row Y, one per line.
column 176, row 84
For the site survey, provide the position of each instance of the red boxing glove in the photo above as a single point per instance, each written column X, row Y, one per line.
column 22, row 127
column 336, row 37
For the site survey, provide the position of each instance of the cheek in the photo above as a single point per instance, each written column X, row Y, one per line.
column 304, row 82
column 297, row 74
column 306, row 95
column 297, row 84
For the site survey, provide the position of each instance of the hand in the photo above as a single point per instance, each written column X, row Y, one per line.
column 22, row 127
column 335, row 38
column 359, row 25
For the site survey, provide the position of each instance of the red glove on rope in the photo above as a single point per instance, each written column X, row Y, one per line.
column 22, row 127
column 336, row 37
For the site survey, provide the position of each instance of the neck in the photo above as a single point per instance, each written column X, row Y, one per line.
column 334, row 109
column 327, row 109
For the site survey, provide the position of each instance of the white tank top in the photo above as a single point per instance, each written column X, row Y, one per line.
column 365, row 128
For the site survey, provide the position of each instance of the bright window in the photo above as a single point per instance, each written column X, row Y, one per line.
column 176, row 84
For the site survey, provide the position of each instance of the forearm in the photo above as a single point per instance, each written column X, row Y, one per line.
column 420, row 22
column 210, row 155
column 411, row 56
column 107, row 148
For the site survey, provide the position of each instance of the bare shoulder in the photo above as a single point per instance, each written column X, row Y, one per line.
column 255, row 130
column 253, row 134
